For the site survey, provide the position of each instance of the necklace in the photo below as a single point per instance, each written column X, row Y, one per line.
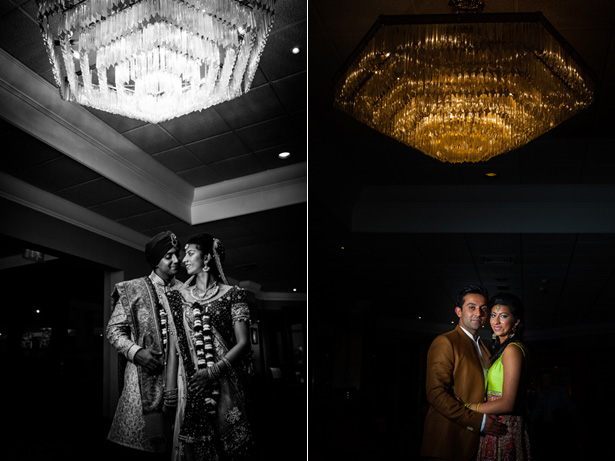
column 204, row 348
column 210, row 292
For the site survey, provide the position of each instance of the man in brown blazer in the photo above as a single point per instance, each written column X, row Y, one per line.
column 457, row 364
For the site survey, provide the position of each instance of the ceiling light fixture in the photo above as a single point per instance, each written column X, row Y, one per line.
column 284, row 155
column 464, row 87
column 296, row 50
column 154, row 60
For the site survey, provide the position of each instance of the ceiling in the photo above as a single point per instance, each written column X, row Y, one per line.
column 214, row 171
column 401, row 232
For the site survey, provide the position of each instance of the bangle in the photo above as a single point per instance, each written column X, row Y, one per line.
column 224, row 366
column 169, row 398
column 477, row 405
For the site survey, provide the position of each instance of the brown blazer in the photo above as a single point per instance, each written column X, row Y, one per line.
column 451, row 431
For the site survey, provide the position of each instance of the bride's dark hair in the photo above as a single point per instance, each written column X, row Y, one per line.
column 515, row 305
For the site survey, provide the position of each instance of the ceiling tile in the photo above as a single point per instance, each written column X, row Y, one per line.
column 151, row 138
column 257, row 105
column 237, row 166
column 200, row 176
column 287, row 90
column 178, row 159
column 217, row 148
column 22, row 150
column 117, row 122
column 63, row 172
column 94, row 192
column 269, row 157
column 277, row 59
column 289, row 14
column 265, row 134
column 21, row 37
column 196, row 126
column 300, row 121
column 259, row 79
column 124, row 208
column 150, row 220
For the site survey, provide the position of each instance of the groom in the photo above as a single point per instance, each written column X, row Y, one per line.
column 137, row 330
column 457, row 364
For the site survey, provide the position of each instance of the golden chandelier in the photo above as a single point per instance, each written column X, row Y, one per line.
column 154, row 60
column 464, row 87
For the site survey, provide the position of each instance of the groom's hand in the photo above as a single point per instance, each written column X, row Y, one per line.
column 149, row 359
column 493, row 426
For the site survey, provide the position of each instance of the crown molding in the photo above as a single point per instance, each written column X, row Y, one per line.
column 35, row 106
column 32, row 197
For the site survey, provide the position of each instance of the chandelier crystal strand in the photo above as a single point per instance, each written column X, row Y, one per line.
column 463, row 90
column 154, row 59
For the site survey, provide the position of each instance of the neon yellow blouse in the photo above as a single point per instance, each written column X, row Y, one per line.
column 495, row 376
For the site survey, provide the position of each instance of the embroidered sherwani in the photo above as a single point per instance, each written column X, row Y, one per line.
column 135, row 323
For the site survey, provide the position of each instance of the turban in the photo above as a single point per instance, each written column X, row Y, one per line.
column 159, row 246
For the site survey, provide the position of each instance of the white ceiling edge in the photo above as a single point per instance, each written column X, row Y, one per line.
column 35, row 106
column 250, row 194
column 45, row 202
column 57, row 207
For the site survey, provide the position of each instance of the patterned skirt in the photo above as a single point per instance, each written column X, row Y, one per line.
column 513, row 446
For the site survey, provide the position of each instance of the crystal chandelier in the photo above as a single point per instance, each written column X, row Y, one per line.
column 464, row 87
column 154, row 60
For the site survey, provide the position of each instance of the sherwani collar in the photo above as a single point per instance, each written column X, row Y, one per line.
column 157, row 280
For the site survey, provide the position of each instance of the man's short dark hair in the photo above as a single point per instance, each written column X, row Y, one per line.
column 471, row 289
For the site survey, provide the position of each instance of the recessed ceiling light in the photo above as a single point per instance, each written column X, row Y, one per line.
column 296, row 50
column 491, row 175
column 284, row 155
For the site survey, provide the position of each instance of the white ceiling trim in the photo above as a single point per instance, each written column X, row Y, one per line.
column 32, row 197
column 32, row 104
column 249, row 194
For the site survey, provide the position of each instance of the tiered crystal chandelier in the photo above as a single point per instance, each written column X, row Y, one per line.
column 154, row 60
column 464, row 87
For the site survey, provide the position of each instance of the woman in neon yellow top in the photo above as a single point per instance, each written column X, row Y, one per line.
column 506, row 383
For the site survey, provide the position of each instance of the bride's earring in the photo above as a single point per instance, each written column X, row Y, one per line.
column 206, row 264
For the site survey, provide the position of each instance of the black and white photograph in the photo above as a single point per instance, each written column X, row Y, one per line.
column 154, row 229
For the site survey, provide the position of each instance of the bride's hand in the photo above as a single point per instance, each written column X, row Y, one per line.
column 199, row 382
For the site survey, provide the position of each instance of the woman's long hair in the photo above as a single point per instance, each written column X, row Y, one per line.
column 515, row 305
